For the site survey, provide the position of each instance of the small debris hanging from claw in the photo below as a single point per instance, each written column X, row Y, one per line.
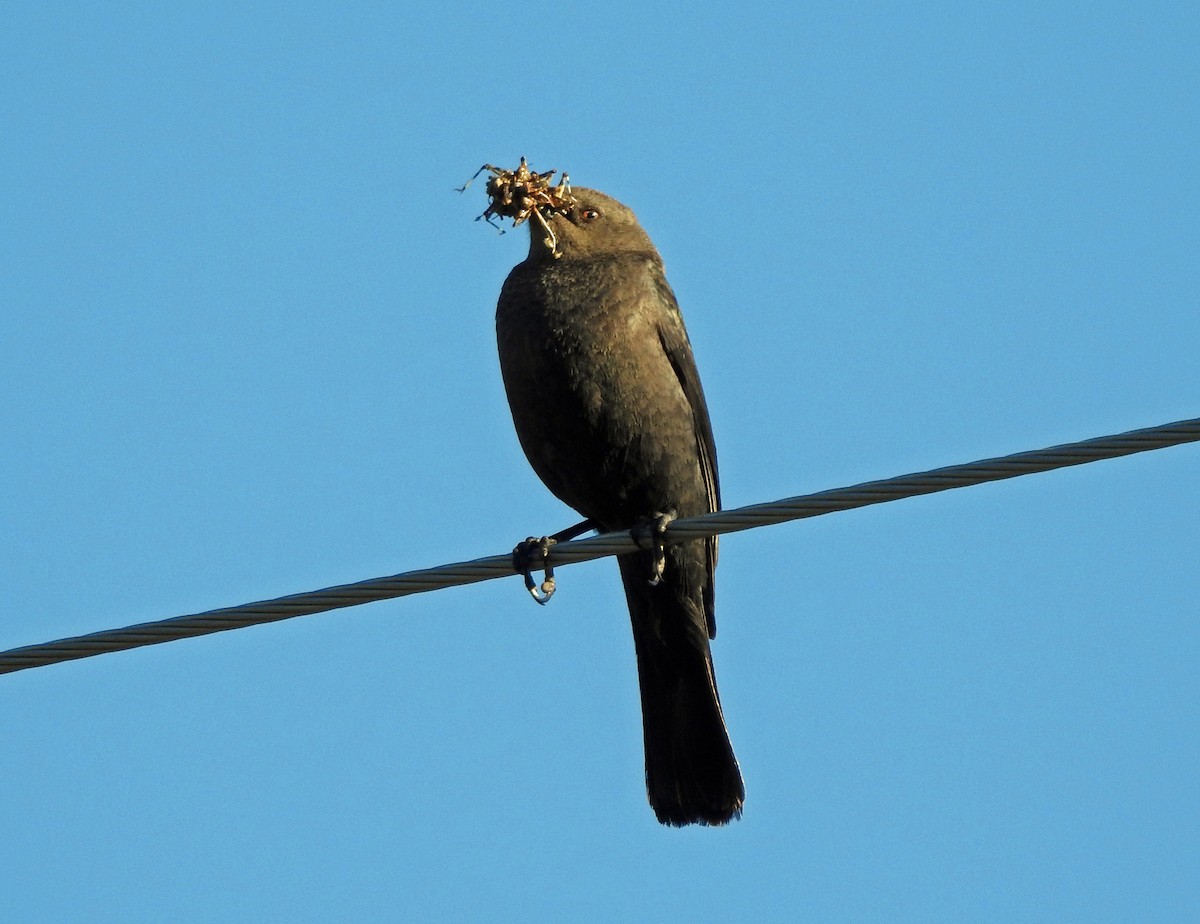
column 522, row 194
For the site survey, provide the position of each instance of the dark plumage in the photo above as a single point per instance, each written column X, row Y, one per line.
column 609, row 410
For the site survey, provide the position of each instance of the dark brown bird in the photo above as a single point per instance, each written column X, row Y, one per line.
column 609, row 410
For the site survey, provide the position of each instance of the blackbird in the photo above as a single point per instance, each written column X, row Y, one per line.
column 608, row 407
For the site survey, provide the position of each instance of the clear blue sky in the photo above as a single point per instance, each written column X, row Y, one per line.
column 248, row 351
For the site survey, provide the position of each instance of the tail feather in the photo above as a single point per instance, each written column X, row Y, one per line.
column 692, row 775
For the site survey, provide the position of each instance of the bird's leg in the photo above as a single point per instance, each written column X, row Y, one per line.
column 532, row 549
column 574, row 532
column 648, row 534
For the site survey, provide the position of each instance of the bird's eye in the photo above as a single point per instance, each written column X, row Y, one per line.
column 590, row 215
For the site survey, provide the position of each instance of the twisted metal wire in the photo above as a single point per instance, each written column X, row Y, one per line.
column 484, row 569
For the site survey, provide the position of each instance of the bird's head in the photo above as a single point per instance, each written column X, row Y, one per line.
column 592, row 224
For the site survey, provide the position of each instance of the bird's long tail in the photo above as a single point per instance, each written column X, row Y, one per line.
column 692, row 776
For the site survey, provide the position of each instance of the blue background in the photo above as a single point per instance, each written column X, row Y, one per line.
column 248, row 351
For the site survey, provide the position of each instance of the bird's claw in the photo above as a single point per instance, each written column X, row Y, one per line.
column 648, row 533
column 525, row 558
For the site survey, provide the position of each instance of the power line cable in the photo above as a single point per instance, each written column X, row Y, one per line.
column 483, row 569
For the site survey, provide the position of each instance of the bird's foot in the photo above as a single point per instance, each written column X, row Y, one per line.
column 648, row 534
column 533, row 553
column 526, row 558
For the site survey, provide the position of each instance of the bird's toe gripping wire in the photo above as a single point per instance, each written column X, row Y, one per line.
column 526, row 558
column 648, row 533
